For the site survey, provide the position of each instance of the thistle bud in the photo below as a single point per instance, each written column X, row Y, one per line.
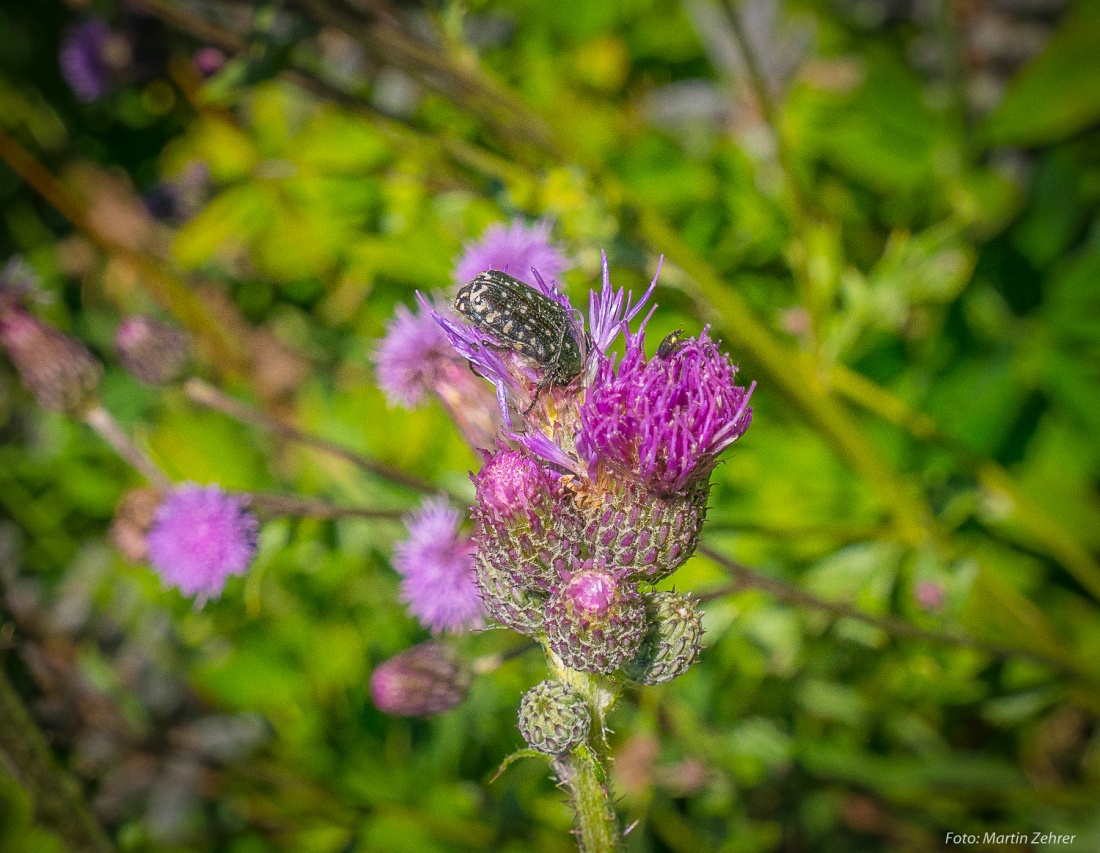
column 553, row 718
column 671, row 643
column 150, row 350
column 60, row 371
column 427, row 679
column 525, row 526
column 595, row 623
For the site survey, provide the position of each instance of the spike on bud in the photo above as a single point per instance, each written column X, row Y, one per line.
column 427, row 679
column 671, row 643
column 553, row 718
column 595, row 622
column 150, row 350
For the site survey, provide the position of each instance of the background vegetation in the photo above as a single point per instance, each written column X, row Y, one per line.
column 886, row 209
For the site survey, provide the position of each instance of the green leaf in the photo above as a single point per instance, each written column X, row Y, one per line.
column 1058, row 94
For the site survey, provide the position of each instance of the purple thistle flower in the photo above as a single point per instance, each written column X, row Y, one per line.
column 663, row 421
column 90, row 57
column 416, row 358
column 436, row 564
column 411, row 355
column 516, row 250
column 201, row 536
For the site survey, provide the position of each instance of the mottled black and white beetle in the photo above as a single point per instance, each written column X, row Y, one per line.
column 519, row 318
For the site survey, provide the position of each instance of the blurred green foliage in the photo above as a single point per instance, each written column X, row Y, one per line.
column 900, row 246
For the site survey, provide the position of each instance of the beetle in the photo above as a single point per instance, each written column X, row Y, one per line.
column 672, row 342
column 521, row 319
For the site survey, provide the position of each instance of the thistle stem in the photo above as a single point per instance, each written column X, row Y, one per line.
column 207, row 395
column 103, row 422
column 597, row 824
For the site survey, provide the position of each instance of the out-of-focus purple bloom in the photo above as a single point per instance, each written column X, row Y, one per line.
column 663, row 421
column 200, row 537
column 208, row 61
column 91, row 57
column 411, row 355
column 152, row 351
column 930, row 595
column 416, row 358
column 515, row 250
column 436, row 564
column 427, row 679
column 59, row 370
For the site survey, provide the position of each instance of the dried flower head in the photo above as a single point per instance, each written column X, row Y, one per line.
column 436, row 564
column 516, row 250
column 427, row 679
column 134, row 516
column 200, row 536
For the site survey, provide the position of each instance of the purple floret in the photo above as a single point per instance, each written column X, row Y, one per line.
column 201, row 536
column 436, row 563
column 515, row 250
column 665, row 421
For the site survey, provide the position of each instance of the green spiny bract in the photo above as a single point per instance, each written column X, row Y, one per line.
column 554, row 718
column 639, row 534
column 671, row 642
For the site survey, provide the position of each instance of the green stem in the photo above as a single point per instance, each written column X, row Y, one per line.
column 585, row 772
column 597, row 824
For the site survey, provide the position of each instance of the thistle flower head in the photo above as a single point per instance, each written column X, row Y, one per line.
column 554, row 718
column 410, row 356
column 201, row 536
column 436, row 564
column 516, row 250
column 427, row 679
column 415, row 359
column 91, row 57
column 153, row 352
column 666, row 420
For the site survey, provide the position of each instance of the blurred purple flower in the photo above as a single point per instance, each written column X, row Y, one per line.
column 91, row 55
column 930, row 595
column 208, row 61
column 436, row 564
column 200, row 537
column 411, row 355
column 663, row 421
column 515, row 250
column 415, row 358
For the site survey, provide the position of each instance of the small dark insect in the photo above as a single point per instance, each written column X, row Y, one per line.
column 519, row 318
column 670, row 344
